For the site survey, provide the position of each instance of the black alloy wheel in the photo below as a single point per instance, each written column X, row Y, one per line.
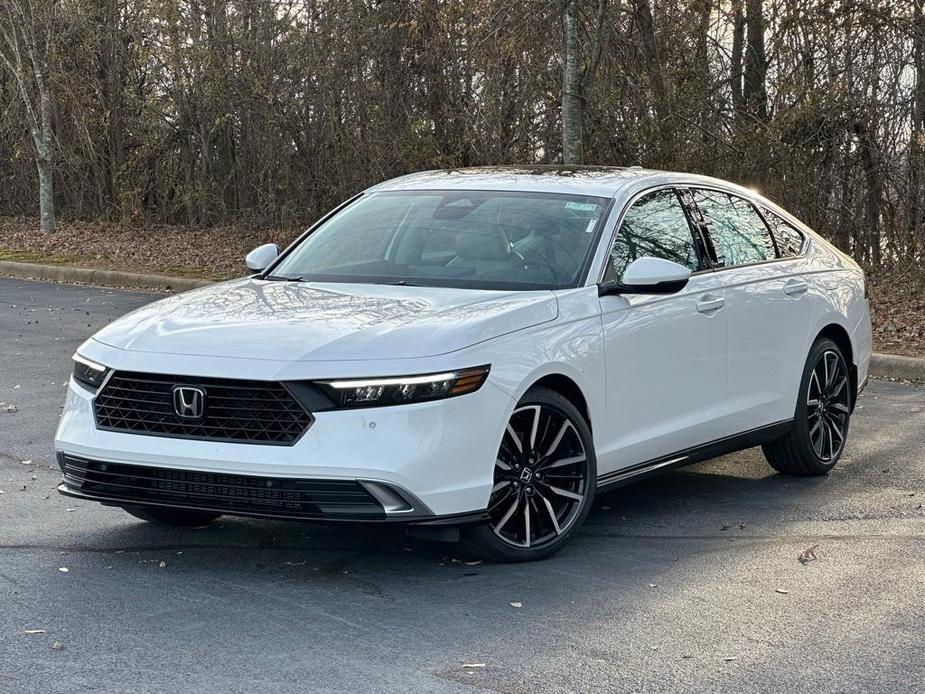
column 817, row 438
column 544, row 480
column 828, row 406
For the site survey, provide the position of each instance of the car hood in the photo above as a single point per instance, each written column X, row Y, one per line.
column 297, row 321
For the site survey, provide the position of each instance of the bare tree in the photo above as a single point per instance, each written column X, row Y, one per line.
column 26, row 32
column 577, row 83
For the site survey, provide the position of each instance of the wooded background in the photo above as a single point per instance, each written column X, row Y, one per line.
column 265, row 113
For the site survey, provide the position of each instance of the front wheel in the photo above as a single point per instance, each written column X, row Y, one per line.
column 820, row 425
column 544, row 481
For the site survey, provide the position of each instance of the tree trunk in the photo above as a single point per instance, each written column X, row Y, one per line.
column 572, row 101
column 25, row 50
column 656, row 81
column 915, row 216
column 735, row 60
column 45, row 168
column 756, row 63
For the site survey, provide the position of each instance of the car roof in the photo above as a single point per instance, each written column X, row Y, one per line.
column 602, row 181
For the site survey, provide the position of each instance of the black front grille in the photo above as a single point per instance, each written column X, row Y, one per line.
column 235, row 410
column 265, row 496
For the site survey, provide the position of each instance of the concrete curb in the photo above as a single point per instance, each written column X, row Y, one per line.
column 895, row 366
column 102, row 278
column 881, row 365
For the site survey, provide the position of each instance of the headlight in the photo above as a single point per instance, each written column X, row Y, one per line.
column 89, row 373
column 376, row 392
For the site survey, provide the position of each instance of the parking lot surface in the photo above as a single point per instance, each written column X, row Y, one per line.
column 691, row 581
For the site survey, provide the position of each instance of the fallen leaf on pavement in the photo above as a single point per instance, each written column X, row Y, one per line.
column 729, row 659
column 808, row 555
column 26, row 462
column 517, row 604
column 781, row 591
column 57, row 646
column 473, row 665
column 63, row 569
column 473, row 563
column 30, row 632
column 162, row 564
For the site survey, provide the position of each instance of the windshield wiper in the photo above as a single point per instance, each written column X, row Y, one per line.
column 400, row 283
column 283, row 278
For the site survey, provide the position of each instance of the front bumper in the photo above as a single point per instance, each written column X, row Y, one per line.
column 436, row 457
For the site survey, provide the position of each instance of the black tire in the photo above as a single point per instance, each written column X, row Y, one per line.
column 174, row 517
column 561, row 467
column 822, row 415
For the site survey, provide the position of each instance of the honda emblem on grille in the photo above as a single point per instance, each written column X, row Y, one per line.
column 189, row 402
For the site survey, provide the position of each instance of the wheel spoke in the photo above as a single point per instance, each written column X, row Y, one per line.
column 563, row 462
column 815, row 378
column 552, row 514
column 500, row 500
column 565, row 492
column 510, row 512
column 837, row 388
column 812, row 432
column 840, row 407
column 500, row 485
column 513, row 435
column 829, row 373
column 556, row 441
column 835, row 429
column 535, row 427
column 828, row 430
column 501, row 464
column 817, row 441
column 527, row 523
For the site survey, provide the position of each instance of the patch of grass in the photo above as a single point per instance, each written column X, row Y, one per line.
column 23, row 256
column 184, row 271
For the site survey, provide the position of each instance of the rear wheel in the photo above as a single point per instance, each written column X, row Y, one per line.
column 820, row 426
column 175, row 517
column 544, row 481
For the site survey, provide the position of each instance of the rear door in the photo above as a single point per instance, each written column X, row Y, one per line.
column 769, row 312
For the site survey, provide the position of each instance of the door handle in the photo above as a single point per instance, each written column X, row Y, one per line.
column 708, row 304
column 795, row 287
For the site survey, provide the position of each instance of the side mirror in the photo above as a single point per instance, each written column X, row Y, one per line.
column 260, row 258
column 649, row 276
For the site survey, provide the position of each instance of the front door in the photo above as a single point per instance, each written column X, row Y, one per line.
column 665, row 355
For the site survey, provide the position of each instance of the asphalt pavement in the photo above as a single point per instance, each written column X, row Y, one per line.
column 690, row 581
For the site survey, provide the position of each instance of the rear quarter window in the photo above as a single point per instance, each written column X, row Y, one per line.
column 789, row 239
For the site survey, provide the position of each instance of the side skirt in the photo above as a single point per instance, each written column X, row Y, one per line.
column 696, row 454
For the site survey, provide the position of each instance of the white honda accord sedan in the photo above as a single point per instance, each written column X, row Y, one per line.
column 475, row 354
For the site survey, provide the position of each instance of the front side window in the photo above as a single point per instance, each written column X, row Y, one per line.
column 474, row 239
column 656, row 226
column 789, row 239
column 739, row 234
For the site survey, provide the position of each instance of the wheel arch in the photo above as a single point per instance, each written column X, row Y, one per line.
column 567, row 388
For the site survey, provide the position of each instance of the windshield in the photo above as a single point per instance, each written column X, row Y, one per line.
column 469, row 239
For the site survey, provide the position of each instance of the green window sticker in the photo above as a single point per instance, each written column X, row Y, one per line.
column 581, row 206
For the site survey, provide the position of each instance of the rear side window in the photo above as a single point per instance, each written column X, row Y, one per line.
column 656, row 225
column 788, row 237
column 739, row 234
